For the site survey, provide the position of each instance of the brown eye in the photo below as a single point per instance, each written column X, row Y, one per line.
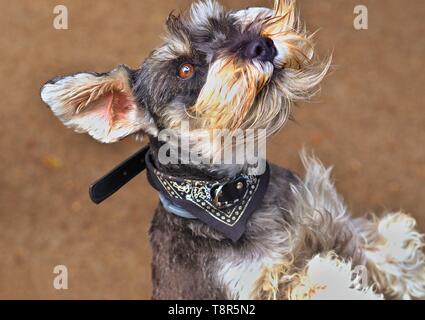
column 186, row 71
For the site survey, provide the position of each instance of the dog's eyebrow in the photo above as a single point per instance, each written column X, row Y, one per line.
column 249, row 15
column 202, row 12
column 174, row 48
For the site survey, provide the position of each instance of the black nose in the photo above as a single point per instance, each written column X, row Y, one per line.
column 262, row 49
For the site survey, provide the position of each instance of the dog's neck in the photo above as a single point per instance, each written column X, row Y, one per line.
column 191, row 171
column 224, row 203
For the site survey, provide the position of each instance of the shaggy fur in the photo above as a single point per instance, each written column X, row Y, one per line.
column 389, row 248
column 328, row 277
column 301, row 243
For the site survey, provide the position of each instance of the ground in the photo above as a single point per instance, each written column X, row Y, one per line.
column 368, row 122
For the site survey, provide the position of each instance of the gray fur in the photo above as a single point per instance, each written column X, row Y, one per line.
column 302, row 228
column 188, row 255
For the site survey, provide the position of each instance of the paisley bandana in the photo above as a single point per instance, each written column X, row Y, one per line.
column 224, row 205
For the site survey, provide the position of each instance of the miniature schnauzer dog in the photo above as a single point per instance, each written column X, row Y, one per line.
column 221, row 232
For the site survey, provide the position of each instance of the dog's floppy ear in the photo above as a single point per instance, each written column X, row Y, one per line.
column 103, row 105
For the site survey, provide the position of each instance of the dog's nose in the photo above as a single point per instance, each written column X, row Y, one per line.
column 262, row 49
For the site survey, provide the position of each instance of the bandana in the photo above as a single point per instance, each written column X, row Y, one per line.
column 225, row 205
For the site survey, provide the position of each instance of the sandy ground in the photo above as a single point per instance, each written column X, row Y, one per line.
column 368, row 122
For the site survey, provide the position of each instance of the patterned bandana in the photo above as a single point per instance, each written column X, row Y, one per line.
column 224, row 205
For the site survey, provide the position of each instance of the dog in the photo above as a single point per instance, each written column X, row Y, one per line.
column 221, row 232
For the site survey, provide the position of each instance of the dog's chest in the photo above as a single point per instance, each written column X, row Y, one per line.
column 190, row 263
column 186, row 266
column 240, row 276
column 182, row 265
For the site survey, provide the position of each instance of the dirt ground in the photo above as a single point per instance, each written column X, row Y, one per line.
column 368, row 122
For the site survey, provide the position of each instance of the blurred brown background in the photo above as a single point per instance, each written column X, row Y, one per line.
column 368, row 122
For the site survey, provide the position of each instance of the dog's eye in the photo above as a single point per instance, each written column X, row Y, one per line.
column 186, row 71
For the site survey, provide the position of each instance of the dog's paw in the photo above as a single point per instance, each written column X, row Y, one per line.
column 330, row 277
column 394, row 250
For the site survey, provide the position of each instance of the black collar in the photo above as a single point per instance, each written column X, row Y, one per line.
column 224, row 205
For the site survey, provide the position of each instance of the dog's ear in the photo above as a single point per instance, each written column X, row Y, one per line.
column 103, row 105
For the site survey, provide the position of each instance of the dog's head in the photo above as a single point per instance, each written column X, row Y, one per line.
column 217, row 69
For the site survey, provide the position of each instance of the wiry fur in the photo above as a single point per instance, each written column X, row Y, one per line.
column 106, row 100
column 228, row 91
column 301, row 243
column 395, row 257
column 328, row 277
column 318, row 223
column 230, row 86
column 261, row 94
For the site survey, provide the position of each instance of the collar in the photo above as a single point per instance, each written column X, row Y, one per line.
column 178, row 211
column 225, row 205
